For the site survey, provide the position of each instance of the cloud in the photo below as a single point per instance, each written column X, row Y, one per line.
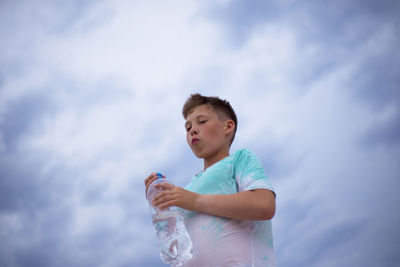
column 242, row 17
column 90, row 104
column 21, row 117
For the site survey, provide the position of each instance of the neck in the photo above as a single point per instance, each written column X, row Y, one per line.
column 208, row 162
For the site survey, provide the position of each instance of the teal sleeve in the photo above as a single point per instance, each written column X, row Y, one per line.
column 249, row 172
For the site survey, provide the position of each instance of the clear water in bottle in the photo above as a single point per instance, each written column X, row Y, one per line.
column 173, row 239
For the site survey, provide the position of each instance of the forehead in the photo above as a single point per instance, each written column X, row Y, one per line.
column 202, row 110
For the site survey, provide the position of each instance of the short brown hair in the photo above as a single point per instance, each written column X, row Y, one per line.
column 216, row 103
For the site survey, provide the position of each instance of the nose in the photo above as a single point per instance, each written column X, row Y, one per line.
column 193, row 131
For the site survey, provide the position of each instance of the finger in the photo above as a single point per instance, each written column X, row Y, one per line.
column 160, row 196
column 150, row 179
column 151, row 176
column 163, row 197
column 150, row 182
column 160, row 201
column 165, row 186
column 167, row 204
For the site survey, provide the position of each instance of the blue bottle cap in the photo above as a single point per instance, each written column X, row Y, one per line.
column 159, row 175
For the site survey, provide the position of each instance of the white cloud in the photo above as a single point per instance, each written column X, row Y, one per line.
column 117, row 76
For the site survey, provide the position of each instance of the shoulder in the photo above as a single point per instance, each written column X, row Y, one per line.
column 249, row 171
column 244, row 153
column 244, row 156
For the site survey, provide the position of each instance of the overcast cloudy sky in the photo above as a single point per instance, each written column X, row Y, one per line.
column 90, row 103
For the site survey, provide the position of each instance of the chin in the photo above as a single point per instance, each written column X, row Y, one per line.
column 198, row 154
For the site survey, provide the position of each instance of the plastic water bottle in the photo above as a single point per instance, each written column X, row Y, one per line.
column 173, row 239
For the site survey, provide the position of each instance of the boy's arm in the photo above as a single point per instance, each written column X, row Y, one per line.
column 258, row 204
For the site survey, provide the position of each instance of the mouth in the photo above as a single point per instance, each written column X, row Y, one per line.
column 195, row 141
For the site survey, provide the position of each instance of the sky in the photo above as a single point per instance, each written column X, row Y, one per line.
column 91, row 94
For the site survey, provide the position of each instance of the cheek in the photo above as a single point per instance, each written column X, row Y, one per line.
column 213, row 132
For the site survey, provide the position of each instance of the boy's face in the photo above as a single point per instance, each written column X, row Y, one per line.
column 206, row 133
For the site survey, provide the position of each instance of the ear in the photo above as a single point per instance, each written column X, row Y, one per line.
column 229, row 126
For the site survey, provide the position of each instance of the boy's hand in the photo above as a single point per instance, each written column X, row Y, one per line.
column 149, row 180
column 175, row 196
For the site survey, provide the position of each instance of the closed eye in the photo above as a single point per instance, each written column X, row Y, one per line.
column 188, row 129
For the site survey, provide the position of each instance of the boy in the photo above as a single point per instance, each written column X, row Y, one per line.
column 228, row 206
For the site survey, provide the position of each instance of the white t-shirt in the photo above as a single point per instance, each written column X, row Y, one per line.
column 218, row 241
